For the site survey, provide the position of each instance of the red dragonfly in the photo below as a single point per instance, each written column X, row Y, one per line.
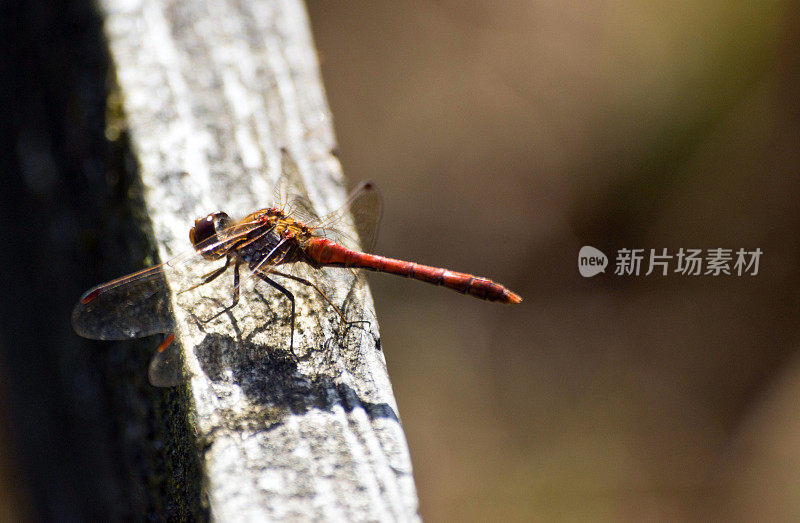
column 287, row 233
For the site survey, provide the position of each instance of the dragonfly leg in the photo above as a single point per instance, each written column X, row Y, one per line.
column 235, row 287
column 306, row 282
column 286, row 293
column 310, row 284
column 211, row 276
column 235, row 283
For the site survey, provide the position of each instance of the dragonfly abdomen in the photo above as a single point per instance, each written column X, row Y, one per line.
column 327, row 253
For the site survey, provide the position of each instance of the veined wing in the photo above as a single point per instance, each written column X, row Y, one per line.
column 365, row 205
column 129, row 307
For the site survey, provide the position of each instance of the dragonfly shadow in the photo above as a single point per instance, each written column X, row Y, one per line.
column 270, row 380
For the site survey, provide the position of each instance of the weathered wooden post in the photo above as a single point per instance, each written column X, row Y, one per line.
column 212, row 92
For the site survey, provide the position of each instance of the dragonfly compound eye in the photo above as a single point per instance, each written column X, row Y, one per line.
column 205, row 230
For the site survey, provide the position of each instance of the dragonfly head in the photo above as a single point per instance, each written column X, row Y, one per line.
column 207, row 233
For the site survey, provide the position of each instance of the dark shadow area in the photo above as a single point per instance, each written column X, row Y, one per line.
column 90, row 438
column 269, row 378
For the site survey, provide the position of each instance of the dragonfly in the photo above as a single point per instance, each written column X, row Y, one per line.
column 266, row 241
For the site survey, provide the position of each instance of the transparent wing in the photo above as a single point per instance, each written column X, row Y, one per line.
column 287, row 197
column 129, row 307
column 365, row 206
column 289, row 192
column 166, row 366
column 300, row 208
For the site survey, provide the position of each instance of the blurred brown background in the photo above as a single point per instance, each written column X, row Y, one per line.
column 507, row 135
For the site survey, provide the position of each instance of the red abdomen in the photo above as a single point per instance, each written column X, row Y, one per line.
column 325, row 253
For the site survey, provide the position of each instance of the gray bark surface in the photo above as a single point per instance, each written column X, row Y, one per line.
column 212, row 92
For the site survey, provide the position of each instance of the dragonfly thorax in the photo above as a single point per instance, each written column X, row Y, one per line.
column 288, row 228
